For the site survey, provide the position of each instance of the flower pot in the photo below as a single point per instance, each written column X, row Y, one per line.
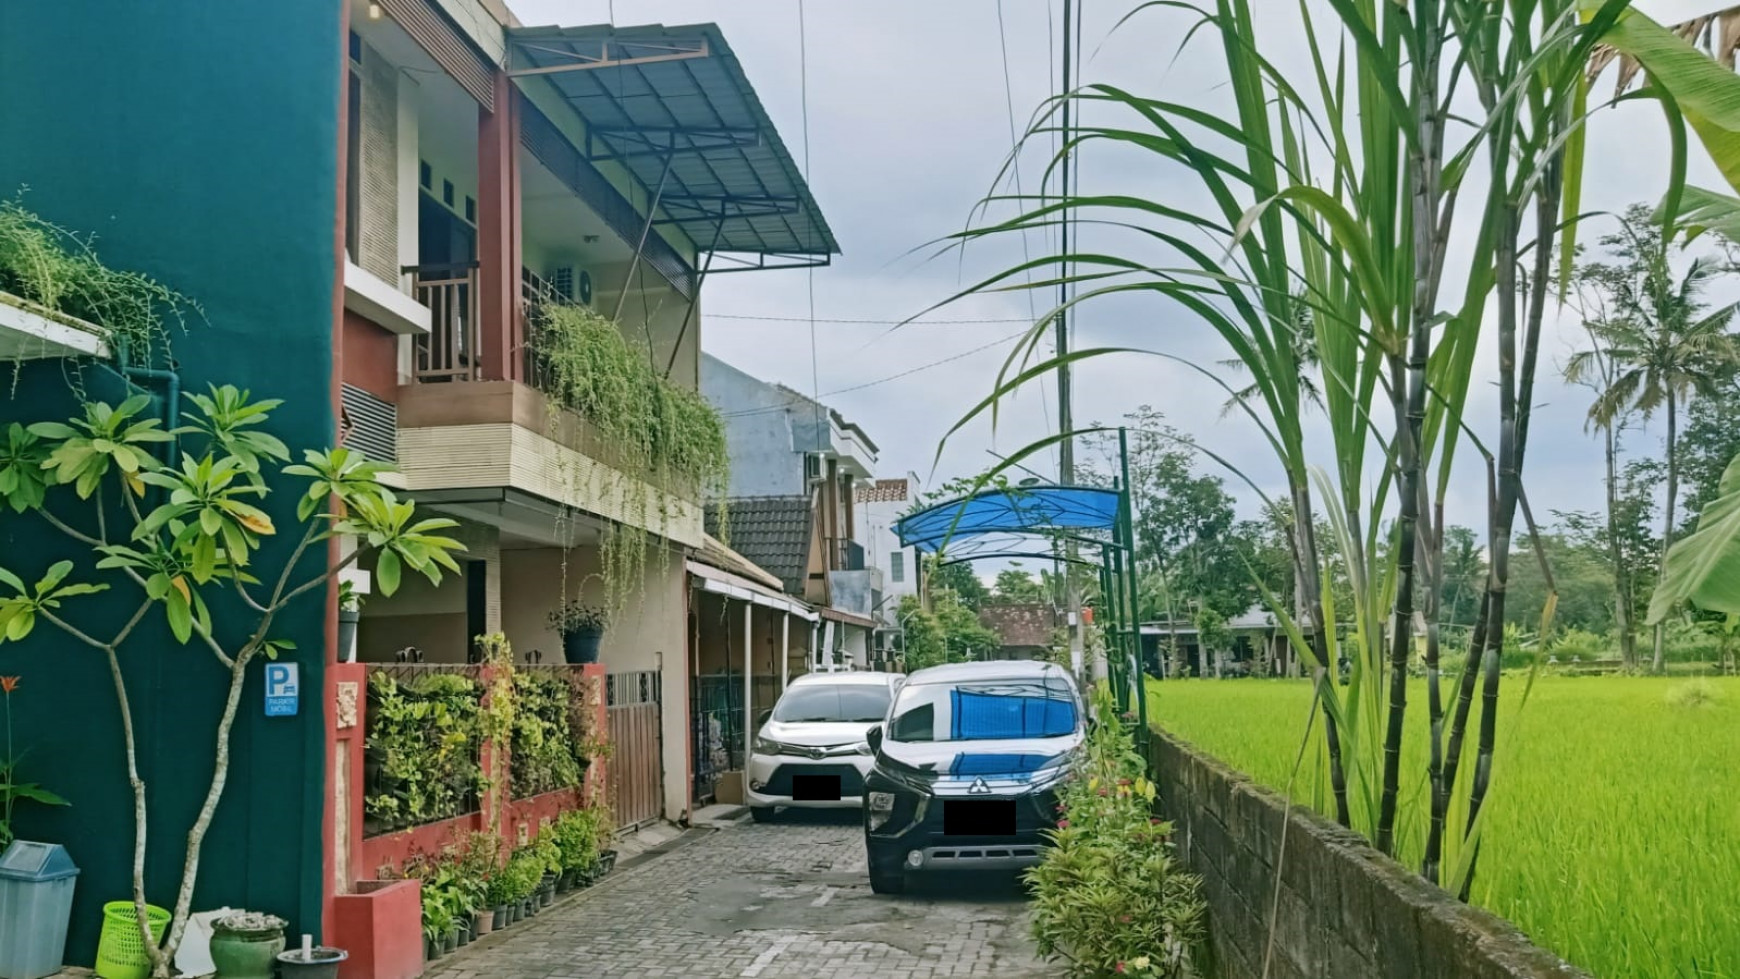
column 451, row 942
column 347, row 620
column 246, row 954
column 606, row 861
column 321, row 963
column 482, row 923
column 581, row 647
column 500, row 918
column 462, row 928
column 431, row 949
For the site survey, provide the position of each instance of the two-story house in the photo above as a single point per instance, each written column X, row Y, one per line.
column 375, row 204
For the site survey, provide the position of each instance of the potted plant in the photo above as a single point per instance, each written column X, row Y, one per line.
column 245, row 945
column 581, row 627
column 311, row 962
column 349, row 613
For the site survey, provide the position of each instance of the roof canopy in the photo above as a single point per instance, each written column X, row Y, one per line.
column 1025, row 521
column 673, row 106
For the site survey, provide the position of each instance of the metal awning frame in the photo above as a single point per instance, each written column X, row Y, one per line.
column 674, row 50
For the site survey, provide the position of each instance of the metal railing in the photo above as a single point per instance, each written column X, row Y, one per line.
column 452, row 350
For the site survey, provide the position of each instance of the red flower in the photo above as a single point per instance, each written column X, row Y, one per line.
column 1063, row 824
column 1123, row 919
column 1123, row 781
column 1155, row 820
column 9, row 683
column 1119, row 969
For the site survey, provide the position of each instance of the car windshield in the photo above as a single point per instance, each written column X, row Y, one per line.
column 994, row 709
column 864, row 703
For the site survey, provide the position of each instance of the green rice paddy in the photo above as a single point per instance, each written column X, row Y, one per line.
column 1613, row 829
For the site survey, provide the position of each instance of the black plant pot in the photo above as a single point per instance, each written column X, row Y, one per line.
column 606, row 861
column 501, row 918
column 347, row 620
column 581, row 647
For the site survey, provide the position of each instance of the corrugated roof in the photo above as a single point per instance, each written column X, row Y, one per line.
column 771, row 531
column 655, row 97
column 715, row 553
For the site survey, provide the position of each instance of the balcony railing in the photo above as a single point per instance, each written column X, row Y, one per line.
column 452, row 349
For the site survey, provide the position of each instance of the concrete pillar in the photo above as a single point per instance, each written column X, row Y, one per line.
column 748, row 686
column 785, row 651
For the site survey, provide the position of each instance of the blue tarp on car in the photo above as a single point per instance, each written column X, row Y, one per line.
column 986, row 716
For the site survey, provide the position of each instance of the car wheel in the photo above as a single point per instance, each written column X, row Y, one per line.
column 886, row 876
column 762, row 814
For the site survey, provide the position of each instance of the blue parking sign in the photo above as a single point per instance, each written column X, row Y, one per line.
column 282, row 689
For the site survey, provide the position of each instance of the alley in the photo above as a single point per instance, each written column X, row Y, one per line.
column 785, row 900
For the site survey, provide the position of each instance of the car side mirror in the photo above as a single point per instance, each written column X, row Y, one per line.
column 874, row 737
column 763, row 717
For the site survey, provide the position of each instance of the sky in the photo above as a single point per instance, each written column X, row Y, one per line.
column 909, row 107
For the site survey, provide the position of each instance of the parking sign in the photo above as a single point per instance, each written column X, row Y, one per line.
column 282, row 689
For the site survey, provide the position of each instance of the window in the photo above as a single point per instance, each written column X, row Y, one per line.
column 984, row 711
column 897, row 566
column 844, row 703
column 353, row 166
column 425, row 174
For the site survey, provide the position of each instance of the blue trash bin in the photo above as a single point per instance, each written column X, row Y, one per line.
column 36, row 892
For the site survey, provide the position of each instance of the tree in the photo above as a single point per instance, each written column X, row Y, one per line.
column 186, row 539
column 1016, row 585
column 1625, row 542
column 1464, row 576
column 1661, row 345
column 959, row 580
column 948, row 632
column 1711, row 438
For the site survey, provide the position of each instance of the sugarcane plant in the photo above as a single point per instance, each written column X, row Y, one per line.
column 1326, row 203
column 178, row 518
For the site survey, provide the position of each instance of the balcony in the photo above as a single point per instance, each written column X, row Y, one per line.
column 450, row 350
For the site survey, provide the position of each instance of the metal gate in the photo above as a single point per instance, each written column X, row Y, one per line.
column 636, row 767
column 716, row 725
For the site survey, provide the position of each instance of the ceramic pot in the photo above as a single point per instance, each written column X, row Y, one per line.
column 246, row 954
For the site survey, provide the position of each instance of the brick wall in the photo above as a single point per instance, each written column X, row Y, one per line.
column 1343, row 909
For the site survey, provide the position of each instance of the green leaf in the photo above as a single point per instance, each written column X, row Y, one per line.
column 57, row 573
column 16, row 583
column 1705, row 91
column 20, row 624
column 387, row 570
column 180, row 616
column 52, row 430
column 1704, row 567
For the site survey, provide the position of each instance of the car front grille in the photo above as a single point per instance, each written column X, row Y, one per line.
column 851, row 782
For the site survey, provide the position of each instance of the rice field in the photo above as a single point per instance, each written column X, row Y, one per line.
column 1613, row 830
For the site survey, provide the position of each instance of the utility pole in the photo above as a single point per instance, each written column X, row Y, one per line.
column 1065, row 412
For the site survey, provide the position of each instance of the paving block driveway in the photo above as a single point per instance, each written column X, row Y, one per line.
column 782, row 900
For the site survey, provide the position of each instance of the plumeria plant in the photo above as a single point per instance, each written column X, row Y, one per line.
column 178, row 518
column 11, row 789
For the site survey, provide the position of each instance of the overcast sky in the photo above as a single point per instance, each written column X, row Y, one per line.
column 909, row 125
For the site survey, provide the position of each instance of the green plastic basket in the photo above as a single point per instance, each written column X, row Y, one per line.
column 120, row 952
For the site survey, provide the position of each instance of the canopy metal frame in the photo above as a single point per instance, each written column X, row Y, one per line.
column 1002, row 523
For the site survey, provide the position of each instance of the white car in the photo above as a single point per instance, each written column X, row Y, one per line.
column 810, row 751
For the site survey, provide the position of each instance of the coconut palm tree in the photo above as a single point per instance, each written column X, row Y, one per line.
column 1661, row 345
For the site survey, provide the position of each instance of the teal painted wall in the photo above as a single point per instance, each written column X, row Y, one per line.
column 198, row 140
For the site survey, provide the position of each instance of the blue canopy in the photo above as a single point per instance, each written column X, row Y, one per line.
column 1017, row 522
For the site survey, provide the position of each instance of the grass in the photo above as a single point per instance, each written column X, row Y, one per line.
column 1613, row 820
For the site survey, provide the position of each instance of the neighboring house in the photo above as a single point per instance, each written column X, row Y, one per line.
column 1026, row 628
column 881, row 504
column 792, row 505
column 372, row 218
column 1258, row 645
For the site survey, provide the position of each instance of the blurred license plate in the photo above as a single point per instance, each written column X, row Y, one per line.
column 815, row 788
column 979, row 817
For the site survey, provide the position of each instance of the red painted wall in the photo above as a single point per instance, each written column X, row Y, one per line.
column 371, row 357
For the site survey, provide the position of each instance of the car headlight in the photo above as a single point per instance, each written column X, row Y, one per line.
column 880, row 806
column 863, row 748
column 767, row 746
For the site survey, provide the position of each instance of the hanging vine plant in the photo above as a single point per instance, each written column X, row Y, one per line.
column 666, row 436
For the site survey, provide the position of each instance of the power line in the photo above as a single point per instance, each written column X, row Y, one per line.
column 862, row 322
column 882, row 380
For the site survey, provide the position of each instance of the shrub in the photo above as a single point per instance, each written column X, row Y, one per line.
column 1693, row 693
column 1109, row 897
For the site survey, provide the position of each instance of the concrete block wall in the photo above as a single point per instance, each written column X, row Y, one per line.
column 1341, row 909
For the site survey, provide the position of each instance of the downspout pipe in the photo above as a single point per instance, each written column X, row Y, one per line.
column 141, row 378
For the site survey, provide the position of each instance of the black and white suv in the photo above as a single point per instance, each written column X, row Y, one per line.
column 967, row 767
